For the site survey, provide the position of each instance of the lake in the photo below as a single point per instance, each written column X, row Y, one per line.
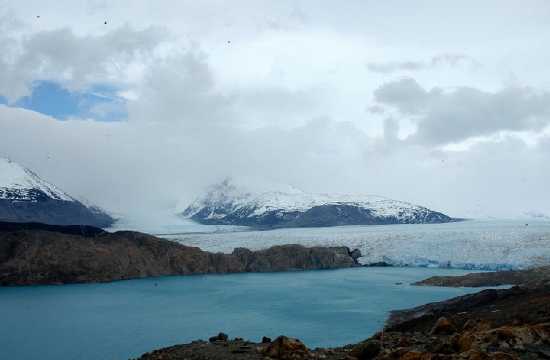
column 124, row 319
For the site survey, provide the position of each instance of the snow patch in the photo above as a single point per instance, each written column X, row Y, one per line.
column 20, row 183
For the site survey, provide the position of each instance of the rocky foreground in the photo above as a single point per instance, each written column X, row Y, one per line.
column 496, row 324
column 44, row 254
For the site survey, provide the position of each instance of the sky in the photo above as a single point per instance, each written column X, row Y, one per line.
column 137, row 106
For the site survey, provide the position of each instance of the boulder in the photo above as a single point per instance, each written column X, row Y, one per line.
column 220, row 337
column 266, row 340
column 443, row 327
column 366, row 350
column 355, row 254
column 286, row 348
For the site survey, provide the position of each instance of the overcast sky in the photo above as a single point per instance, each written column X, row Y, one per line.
column 137, row 105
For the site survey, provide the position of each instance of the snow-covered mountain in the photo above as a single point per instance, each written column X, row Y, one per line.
column 229, row 204
column 25, row 197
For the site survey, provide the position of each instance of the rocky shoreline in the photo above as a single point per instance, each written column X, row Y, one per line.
column 33, row 254
column 494, row 324
column 515, row 277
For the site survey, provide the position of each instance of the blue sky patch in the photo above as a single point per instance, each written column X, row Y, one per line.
column 99, row 102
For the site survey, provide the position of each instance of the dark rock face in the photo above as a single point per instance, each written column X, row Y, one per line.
column 366, row 350
column 243, row 217
column 335, row 215
column 43, row 209
column 293, row 257
column 50, row 257
column 514, row 277
column 498, row 306
column 345, row 214
column 492, row 324
column 317, row 216
column 82, row 230
column 220, row 337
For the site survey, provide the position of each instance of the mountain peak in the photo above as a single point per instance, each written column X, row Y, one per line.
column 18, row 183
column 231, row 204
column 25, row 197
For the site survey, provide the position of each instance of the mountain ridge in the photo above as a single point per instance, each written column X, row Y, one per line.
column 229, row 204
column 26, row 197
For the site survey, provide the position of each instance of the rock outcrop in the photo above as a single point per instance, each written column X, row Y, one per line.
column 513, row 277
column 59, row 255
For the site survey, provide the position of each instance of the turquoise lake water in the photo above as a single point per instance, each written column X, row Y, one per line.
column 127, row 318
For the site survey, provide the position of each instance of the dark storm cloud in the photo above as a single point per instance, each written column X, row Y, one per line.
column 452, row 116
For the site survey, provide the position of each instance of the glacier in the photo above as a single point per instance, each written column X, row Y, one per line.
column 471, row 244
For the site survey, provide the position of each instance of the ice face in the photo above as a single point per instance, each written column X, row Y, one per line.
column 494, row 244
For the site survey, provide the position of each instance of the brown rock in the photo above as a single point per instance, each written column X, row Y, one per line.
column 366, row 350
column 502, row 356
column 285, row 348
column 469, row 325
column 543, row 331
column 38, row 256
column 475, row 355
column 465, row 341
column 516, row 277
column 220, row 337
column 415, row 355
column 266, row 340
column 443, row 327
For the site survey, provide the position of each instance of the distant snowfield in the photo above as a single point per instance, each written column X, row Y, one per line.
column 473, row 244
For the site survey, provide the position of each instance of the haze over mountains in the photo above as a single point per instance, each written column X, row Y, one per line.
column 25, row 197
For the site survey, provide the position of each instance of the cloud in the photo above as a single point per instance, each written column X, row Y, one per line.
column 405, row 94
column 450, row 116
column 444, row 59
column 74, row 61
column 136, row 168
column 284, row 102
column 451, row 59
column 391, row 67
